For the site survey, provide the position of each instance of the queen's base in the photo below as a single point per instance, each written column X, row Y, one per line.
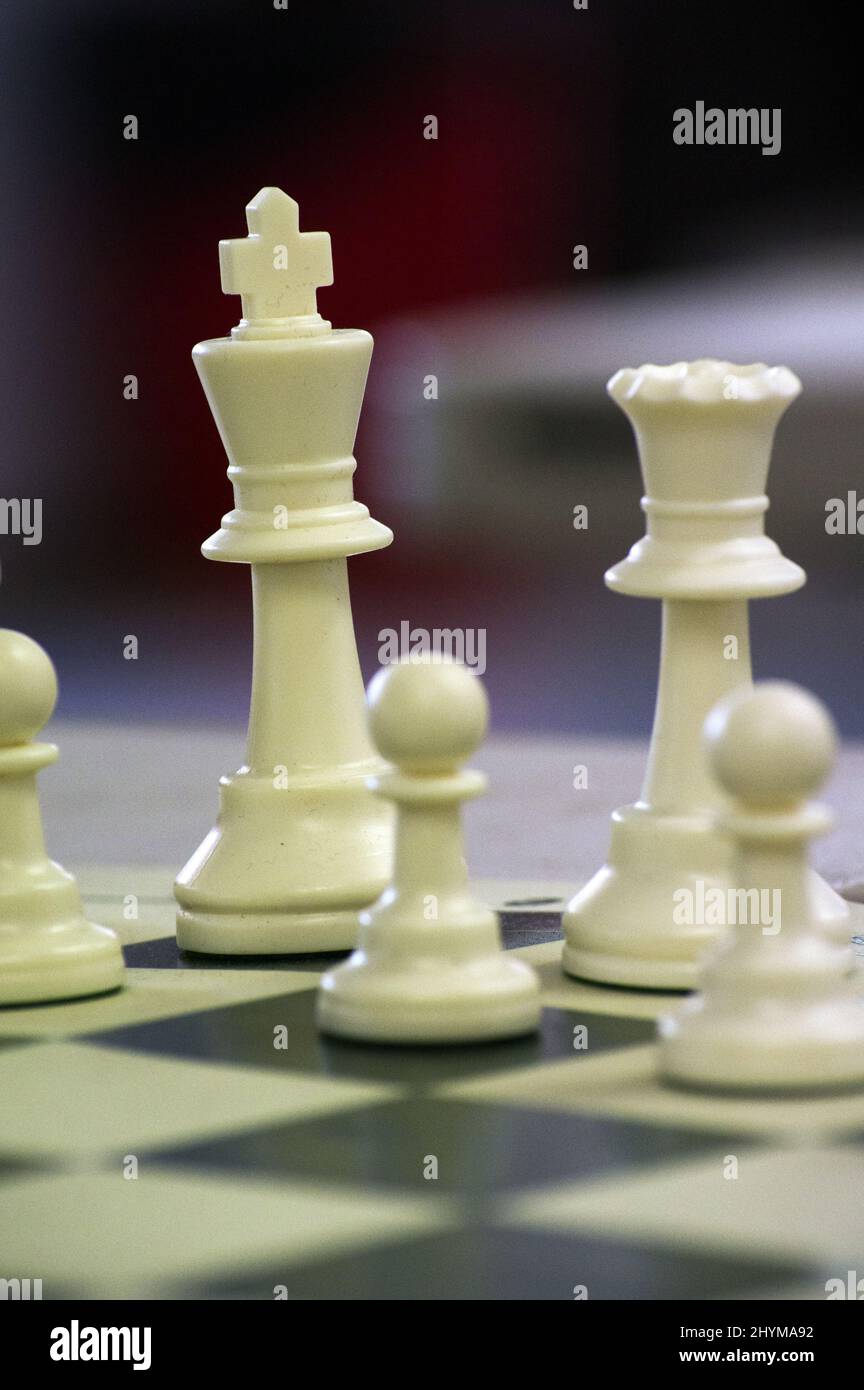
column 621, row 928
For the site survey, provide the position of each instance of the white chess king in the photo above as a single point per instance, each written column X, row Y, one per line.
column 704, row 431
column 301, row 844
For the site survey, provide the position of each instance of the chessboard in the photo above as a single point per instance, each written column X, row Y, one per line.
column 194, row 1137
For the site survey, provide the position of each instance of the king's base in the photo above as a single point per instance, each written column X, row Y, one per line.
column 266, row 933
column 477, row 1001
column 791, row 1049
column 286, row 872
column 66, row 960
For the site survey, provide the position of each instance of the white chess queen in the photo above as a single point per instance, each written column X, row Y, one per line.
column 704, row 431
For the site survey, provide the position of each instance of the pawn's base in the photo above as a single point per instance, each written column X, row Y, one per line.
column 799, row 1048
column 266, row 933
column 477, row 1001
column 67, row 960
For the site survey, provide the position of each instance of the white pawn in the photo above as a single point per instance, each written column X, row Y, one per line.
column 48, row 950
column 778, row 1010
column 429, row 967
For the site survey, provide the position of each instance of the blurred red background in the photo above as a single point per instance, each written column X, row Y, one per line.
column 554, row 129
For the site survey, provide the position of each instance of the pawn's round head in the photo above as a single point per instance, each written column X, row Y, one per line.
column 28, row 688
column 772, row 746
column 427, row 716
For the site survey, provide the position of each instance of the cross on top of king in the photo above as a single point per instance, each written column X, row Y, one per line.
column 276, row 270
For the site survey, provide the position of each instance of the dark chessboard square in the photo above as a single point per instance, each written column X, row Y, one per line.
column 476, row 1148
column 163, row 953
column 244, row 1034
column 491, row 1264
column 528, row 928
column 14, row 1165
